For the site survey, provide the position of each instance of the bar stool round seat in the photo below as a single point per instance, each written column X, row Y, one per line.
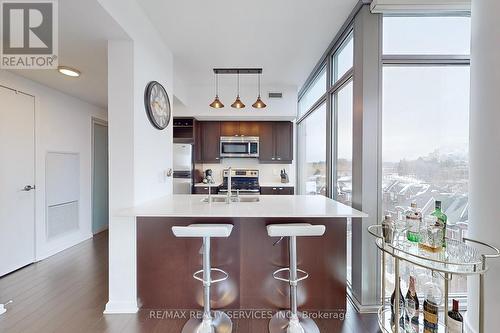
column 212, row 321
column 292, row 321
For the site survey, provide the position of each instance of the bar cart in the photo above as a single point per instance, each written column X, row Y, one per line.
column 457, row 258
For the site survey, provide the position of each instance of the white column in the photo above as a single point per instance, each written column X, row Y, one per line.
column 366, row 164
column 484, row 219
column 122, row 230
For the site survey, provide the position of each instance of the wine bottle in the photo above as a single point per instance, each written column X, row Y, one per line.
column 412, row 294
column 455, row 319
column 442, row 219
column 401, row 306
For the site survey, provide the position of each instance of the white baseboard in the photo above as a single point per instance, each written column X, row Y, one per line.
column 106, row 227
column 61, row 246
column 120, row 307
column 360, row 308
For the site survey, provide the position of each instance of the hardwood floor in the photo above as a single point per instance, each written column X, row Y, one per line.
column 67, row 293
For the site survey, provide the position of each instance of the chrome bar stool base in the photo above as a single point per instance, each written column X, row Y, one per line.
column 282, row 322
column 219, row 323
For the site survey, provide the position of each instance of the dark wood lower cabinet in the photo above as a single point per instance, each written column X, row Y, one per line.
column 165, row 265
column 277, row 190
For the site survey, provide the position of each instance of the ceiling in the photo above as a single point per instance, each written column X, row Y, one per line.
column 84, row 28
column 285, row 37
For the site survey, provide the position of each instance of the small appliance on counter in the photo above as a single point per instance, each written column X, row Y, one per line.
column 244, row 180
column 208, row 179
column 284, row 177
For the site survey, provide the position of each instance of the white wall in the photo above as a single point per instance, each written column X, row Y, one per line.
column 484, row 154
column 140, row 155
column 62, row 123
column 199, row 96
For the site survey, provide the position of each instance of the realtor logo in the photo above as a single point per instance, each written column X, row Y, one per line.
column 29, row 34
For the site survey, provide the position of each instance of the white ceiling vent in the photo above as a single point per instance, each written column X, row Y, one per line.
column 275, row 95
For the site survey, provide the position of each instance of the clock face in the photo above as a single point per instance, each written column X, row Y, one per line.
column 157, row 105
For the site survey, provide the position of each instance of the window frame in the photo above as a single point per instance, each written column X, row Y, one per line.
column 409, row 60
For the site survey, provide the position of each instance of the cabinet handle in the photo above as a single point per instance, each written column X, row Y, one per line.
column 281, row 188
column 274, row 188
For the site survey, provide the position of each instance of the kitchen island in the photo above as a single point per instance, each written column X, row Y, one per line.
column 165, row 264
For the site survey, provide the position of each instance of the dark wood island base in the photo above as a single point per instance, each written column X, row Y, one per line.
column 165, row 265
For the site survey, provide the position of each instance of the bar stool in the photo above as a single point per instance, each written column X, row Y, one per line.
column 291, row 321
column 216, row 322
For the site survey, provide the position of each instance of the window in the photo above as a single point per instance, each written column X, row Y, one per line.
column 313, row 93
column 426, row 35
column 312, row 146
column 343, row 59
column 344, row 144
column 425, row 123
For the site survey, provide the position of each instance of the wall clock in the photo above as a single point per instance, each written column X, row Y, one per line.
column 157, row 105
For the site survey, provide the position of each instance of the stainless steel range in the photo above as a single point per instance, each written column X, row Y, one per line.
column 244, row 180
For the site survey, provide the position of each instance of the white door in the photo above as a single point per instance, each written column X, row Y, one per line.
column 17, row 176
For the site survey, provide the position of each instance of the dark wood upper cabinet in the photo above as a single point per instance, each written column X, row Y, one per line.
column 207, row 142
column 266, row 142
column 276, row 139
column 283, row 136
column 239, row 128
column 276, row 142
column 249, row 128
column 229, row 128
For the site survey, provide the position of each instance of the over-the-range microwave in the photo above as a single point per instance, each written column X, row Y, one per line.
column 239, row 146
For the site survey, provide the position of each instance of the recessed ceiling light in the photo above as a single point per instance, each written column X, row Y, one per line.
column 68, row 71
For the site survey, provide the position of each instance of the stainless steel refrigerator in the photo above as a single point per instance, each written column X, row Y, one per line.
column 183, row 166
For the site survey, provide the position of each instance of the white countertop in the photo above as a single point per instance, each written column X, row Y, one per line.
column 276, row 184
column 188, row 205
column 207, row 185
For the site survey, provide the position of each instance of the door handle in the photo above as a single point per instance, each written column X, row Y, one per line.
column 28, row 188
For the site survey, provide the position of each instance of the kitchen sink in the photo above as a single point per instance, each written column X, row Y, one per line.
column 253, row 198
column 250, row 198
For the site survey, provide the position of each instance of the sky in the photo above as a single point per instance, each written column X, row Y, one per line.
column 424, row 108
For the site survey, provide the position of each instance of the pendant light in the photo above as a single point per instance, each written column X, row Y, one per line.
column 217, row 104
column 238, row 104
column 259, row 104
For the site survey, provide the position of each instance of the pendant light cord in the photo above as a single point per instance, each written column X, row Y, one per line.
column 238, row 79
column 259, row 85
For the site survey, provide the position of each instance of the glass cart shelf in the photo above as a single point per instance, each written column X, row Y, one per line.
column 384, row 322
column 457, row 258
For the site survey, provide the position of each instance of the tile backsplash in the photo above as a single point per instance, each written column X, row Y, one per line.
column 268, row 173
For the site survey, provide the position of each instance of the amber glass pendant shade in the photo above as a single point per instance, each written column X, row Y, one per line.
column 216, row 104
column 259, row 104
column 238, row 104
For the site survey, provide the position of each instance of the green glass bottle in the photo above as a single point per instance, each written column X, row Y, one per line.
column 442, row 219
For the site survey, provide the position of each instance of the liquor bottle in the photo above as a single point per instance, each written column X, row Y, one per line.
column 442, row 219
column 455, row 319
column 433, row 298
column 413, row 222
column 412, row 294
column 401, row 306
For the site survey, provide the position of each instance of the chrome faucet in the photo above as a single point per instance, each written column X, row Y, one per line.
column 229, row 181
